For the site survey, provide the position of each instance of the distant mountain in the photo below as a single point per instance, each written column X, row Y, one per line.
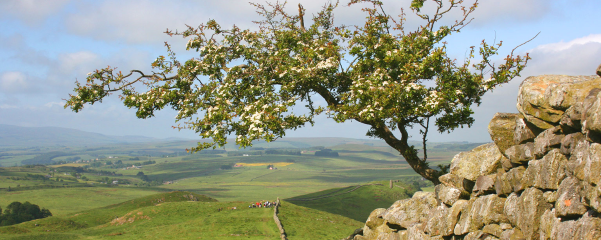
column 15, row 136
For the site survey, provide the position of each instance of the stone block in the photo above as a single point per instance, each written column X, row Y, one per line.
column 411, row 211
column 585, row 162
column 502, row 128
column 546, row 173
column 485, row 184
column 587, row 227
column 547, row 140
column 592, row 115
column 482, row 160
column 568, row 143
column 510, row 181
column 570, row 200
column 547, row 223
column 525, row 211
column 448, row 195
column 520, row 154
column 524, row 131
column 442, row 219
column 543, row 99
column 481, row 211
column 571, row 121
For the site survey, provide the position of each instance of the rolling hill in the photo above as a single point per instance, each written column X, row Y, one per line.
column 15, row 136
column 184, row 215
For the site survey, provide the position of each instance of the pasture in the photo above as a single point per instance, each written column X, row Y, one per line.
column 184, row 215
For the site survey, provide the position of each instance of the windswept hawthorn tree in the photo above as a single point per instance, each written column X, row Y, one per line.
column 244, row 83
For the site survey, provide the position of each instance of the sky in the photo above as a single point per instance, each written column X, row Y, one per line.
column 45, row 46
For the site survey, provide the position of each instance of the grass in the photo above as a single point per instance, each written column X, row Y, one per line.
column 357, row 204
column 64, row 201
column 173, row 216
column 104, row 211
column 306, row 223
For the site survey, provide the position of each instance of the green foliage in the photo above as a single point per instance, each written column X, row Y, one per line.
column 379, row 74
column 226, row 167
column 326, row 153
column 45, row 158
column 283, row 152
column 18, row 212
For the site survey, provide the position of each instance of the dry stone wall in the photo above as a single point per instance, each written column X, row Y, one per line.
column 540, row 179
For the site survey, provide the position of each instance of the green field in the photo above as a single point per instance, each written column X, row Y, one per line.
column 325, row 197
column 64, row 201
column 184, row 215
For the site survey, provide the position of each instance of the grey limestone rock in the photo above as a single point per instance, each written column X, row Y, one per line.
column 442, row 219
column 543, row 99
column 524, row 132
column 479, row 235
column 412, row 211
column 482, row 160
column 414, row 233
column 512, row 234
column 592, row 195
column 493, row 229
column 520, row 153
column 571, row 119
column 585, row 162
column 550, row 196
column 485, row 184
column 448, row 195
column 570, row 200
column 587, row 227
column 546, row 173
column 588, row 103
column 509, row 182
column 502, row 128
column 568, row 143
column 454, row 181
column 592, row 116
column 479, row 212
column 374, row 220
column 547, row 223
column 547, row 140
column 526, row 210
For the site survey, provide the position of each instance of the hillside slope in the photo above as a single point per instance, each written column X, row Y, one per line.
column 355, row 202
column 184, row 215
column 15, row 136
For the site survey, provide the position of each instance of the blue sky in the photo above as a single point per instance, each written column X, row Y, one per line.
column 46, row 45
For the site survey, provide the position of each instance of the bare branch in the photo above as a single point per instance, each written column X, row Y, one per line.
column 525, row 43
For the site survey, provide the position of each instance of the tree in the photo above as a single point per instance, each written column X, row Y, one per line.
column 18, row 212
column 244, row 83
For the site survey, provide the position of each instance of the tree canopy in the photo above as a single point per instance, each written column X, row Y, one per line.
column 244, row 83
column 18, row 212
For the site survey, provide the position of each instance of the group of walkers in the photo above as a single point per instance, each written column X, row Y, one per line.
column 265, row 204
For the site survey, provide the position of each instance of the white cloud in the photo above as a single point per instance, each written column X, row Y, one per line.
column 510, row 11
column 6, row 106
column 133, row 21
column 52, row 104
column 32, row 12
column 562, row 46
column 13, row 82
column 579, row 56
column 77, row 61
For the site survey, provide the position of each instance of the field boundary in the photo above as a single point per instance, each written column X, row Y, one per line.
column 277, row 220
column 330, row 194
